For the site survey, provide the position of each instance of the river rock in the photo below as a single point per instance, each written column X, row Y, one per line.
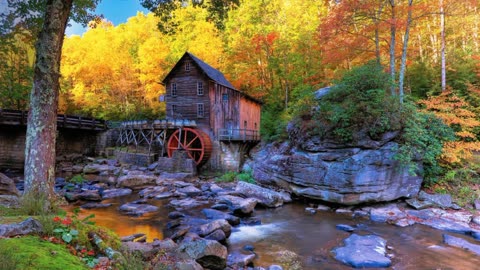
column 215, row 214
column 209, row 254
column 96, row 168
column 345, row 227
column 137, row 208
column 387, row 213
column 461, row 243
column 115, row 192
column 431, row 218
column 175, row 176
column 132, row 237
column 151, row 192
column 265, row 197
column 186, row 203
column 28, row 226
column 10, row 201
column 363, row 252
column 163, row 195
column 238, row 205
column 190, row 191
column 215, row 188
column 476, row 220
column 87, row 195
column 146, row 250
column 344, row 174
column 237, row 260
column 93, row 205
column 7, row 186
column 210, row 227
column 440, row 200
column 136, row 181
column 188, row 265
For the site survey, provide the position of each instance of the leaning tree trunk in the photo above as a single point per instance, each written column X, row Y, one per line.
column 42, row 117
column 403, row 65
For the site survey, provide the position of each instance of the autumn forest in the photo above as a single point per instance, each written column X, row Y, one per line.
column 278, row 51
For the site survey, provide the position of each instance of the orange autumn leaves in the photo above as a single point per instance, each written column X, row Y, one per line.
column 458, row 114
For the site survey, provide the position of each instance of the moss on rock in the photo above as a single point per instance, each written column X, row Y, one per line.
column 33, row 253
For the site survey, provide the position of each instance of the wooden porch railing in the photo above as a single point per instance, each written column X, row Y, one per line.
column 228, row 134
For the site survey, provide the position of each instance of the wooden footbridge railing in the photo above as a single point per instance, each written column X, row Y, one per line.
column 148, row 133
column 19, row 118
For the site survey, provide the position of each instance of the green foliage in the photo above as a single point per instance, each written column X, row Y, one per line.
column 77, row 179
column 246, row 176
column 358, row 104
column 31, row 253
column 461, row 183
column 422, row 80
column 34, row 205
column 274, row 123
column 131, row 260
column 227, row 177
column 423, row 136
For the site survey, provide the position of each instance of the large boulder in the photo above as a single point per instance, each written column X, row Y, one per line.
column 209, row 254
column 265, row 197
column 28, row 226
column 239, row 206
column 136, row 181
column 363, row 251
column 339, row 174
column 7, row 186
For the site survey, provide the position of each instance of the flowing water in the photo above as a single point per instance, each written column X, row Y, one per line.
column 312, row 237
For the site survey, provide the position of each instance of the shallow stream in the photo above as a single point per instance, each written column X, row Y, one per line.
column 312, row 237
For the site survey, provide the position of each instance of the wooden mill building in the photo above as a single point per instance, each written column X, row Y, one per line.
column 229, row 117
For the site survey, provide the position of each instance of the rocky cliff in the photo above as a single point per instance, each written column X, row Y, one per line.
column 325, row 169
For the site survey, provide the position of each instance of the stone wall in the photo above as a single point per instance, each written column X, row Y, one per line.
column 139, row 159
column 12, row 145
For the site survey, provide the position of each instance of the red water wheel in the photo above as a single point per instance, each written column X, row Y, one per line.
column 195, row 142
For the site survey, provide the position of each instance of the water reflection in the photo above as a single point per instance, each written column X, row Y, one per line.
column 310, row 236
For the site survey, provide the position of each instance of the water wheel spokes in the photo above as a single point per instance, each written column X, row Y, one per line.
column 196, row 143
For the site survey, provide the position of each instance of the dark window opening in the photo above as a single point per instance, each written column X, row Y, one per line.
column 173, row 89
column 200, row 110
column 187, row 66
column 200, row 88
column 225, row 97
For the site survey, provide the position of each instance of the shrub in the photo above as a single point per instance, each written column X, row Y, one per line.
column 358, row 104
column 246, row 176
column 423, row 137
column 227, row 177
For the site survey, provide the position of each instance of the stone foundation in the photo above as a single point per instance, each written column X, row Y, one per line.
column 139, row 159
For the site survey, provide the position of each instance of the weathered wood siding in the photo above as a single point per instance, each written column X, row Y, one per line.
column 224, row 108
column 187, row 99
column 249, row 114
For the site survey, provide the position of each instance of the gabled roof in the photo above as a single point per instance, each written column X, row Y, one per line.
column 212, row 73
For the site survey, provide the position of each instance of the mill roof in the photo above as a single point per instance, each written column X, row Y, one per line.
column 212, row 73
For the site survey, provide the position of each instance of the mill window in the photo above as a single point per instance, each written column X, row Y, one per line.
column 187, row 66
column 200, row 110
column 200, row 88
column 173, row 89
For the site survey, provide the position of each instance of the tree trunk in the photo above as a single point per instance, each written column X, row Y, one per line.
column 442, row 48
column 42, row 117
column 393, row 30
column 403, row 65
